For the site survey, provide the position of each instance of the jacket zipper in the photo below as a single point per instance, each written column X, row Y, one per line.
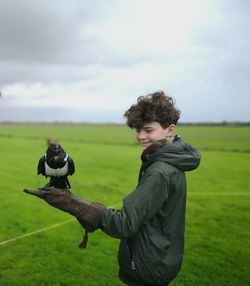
column 133, row 267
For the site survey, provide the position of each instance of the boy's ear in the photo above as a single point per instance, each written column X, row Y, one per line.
column 171, row 129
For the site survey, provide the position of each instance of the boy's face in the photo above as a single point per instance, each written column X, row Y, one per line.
column 151, row 132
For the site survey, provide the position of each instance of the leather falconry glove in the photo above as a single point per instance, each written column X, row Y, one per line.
column 89, row 214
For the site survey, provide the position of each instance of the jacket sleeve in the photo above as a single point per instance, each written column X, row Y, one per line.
column 138, row 207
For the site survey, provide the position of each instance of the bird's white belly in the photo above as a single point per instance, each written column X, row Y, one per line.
column 56, row 172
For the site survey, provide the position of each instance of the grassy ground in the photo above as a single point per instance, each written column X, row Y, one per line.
column 107, row 160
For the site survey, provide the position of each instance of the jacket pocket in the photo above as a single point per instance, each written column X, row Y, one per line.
column 148, row 260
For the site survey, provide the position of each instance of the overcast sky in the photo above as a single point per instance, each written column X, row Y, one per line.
column 90, row 60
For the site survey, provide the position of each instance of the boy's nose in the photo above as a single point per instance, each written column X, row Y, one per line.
column 141, row 135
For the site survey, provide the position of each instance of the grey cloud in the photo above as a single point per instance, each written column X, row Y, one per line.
column 46, row 40
column 12, row 72
column 51, row 31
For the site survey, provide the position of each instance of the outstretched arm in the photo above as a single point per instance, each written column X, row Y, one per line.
column 89, row 214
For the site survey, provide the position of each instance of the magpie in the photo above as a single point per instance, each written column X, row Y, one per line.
column 57, row 165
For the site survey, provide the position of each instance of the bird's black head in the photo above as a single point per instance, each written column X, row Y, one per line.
column 55, row 156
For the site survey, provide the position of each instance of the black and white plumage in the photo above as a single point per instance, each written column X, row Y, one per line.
column 57, row 165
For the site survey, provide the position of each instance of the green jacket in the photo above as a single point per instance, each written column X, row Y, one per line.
column 151, row 222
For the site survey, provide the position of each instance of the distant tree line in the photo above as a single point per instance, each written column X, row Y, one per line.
column 222, row 123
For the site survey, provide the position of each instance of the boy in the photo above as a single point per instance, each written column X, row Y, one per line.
column 151, row 222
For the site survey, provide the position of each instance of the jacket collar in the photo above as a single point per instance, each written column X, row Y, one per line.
column 148, row 152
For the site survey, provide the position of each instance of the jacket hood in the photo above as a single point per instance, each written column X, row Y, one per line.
column 179, row 154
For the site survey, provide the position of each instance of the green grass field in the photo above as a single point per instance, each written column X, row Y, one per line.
column 107, row 159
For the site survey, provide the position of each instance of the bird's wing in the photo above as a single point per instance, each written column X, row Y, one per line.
column 41, row 166
column 71, row 165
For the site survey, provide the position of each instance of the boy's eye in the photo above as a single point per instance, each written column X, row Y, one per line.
column 145, row 130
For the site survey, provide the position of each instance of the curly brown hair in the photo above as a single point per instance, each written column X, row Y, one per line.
column 152, row 107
